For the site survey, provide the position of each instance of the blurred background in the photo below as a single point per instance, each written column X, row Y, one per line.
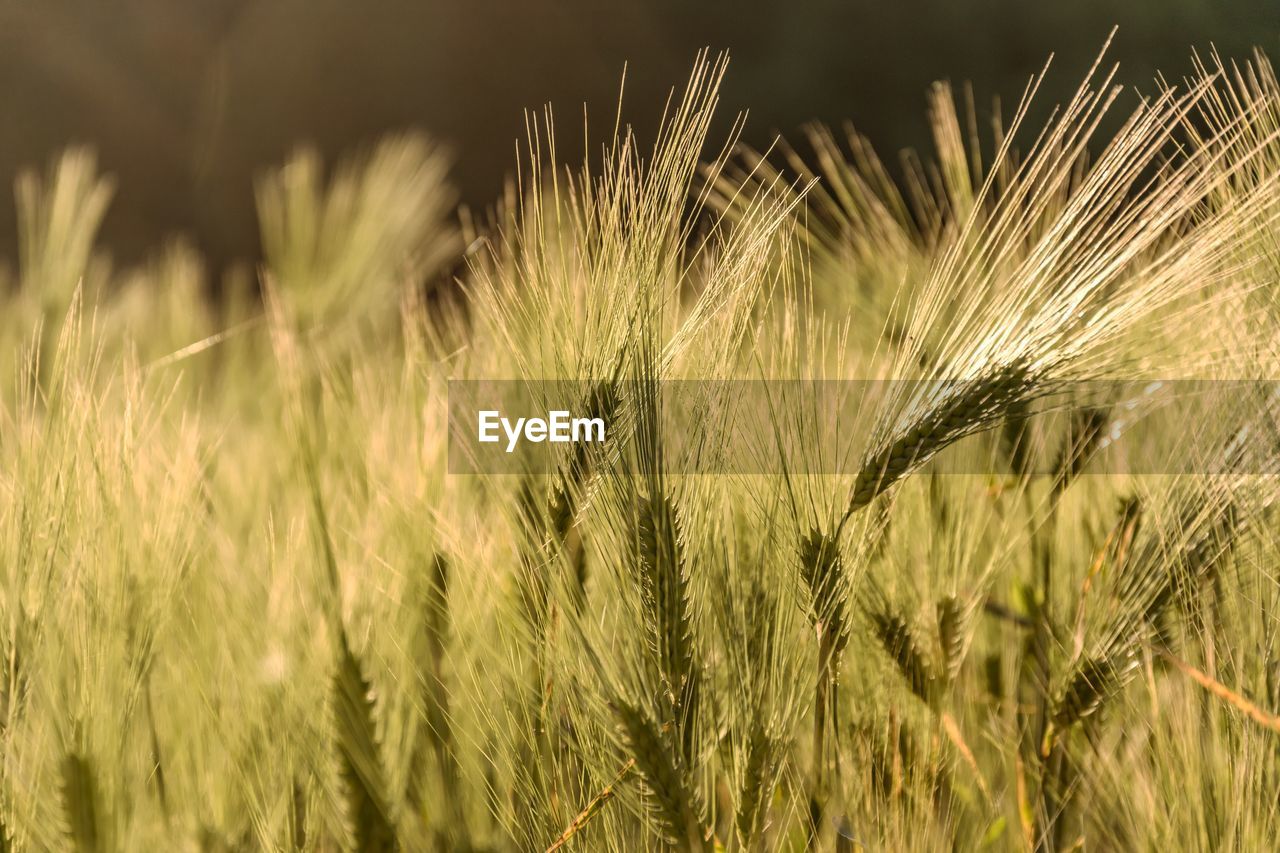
column 185, row 102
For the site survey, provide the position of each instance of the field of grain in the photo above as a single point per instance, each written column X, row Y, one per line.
column 244, row 604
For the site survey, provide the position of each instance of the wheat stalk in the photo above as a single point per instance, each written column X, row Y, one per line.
column 1240, row 703
column 592, row 808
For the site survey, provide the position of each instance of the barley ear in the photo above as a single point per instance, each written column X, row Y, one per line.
column 823, row 572
column 1086, row 433
column 1090, row 684
column 759, row 779
column 360, row 768
column 1015, row 439
column 663, row 775
column 950, row 634
column 158, row 773
column 664, row 587
column 81, row 806
column 531, row 576
column 13, row 675
column 898, row 641
column 957, row 410
column 435, row 731
column 298, row 815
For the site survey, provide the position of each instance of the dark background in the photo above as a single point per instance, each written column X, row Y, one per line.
column 186, row 100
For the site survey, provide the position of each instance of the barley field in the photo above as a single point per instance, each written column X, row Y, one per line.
column 248, row 602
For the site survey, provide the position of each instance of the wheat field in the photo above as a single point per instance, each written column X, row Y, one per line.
column 247, row 604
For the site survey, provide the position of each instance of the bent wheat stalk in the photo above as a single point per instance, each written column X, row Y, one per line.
column 592, row 808
column 1217, row 688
